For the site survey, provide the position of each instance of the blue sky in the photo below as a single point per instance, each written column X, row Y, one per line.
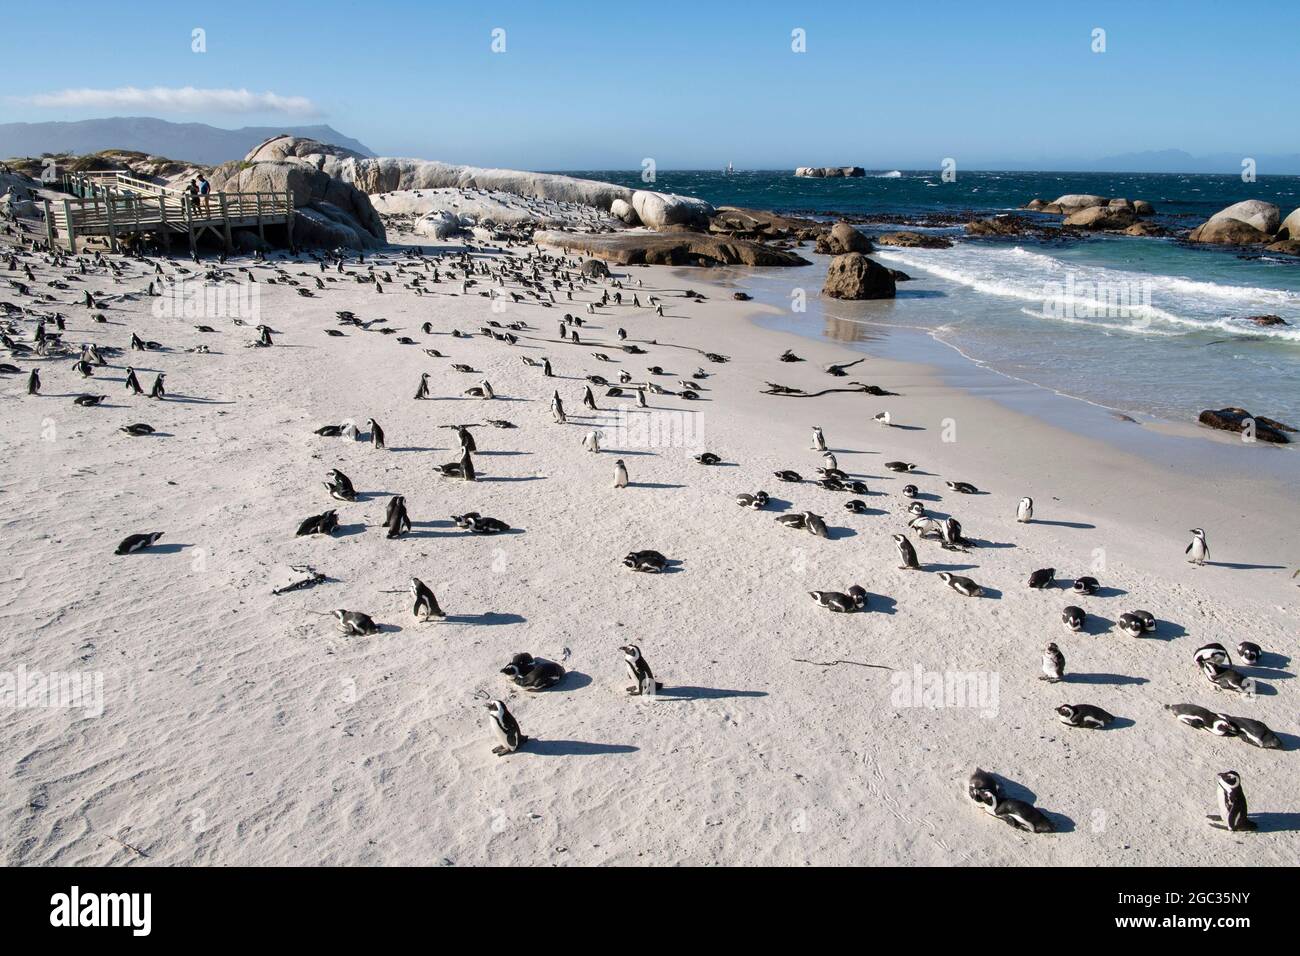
column 693, row 85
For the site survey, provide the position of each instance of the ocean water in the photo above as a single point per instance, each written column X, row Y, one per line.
column 1141, row 325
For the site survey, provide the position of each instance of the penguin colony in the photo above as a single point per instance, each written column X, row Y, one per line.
column 37, row 321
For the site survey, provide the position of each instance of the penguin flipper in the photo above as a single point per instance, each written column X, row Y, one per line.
column 1189, row 550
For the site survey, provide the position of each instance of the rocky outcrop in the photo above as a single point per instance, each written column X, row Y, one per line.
column 660, row 210
column 1001, row 226
column 331, row 212
column 914, row 240
column 830, row 172
column 1289, row 247
column 854, row 276
column 1232, row 232
column 595, row 269
column 1145, row 229
column 763, row 226
column 1265, row 320
column 1260, row 215
column 1289, row 228
column 622, row 210
column 670, row 248
column 842, row 238
column 1102, row 217
column 1235, row 419
column 1073, row 203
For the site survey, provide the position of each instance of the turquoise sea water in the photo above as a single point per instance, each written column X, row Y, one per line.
column 1148, row 326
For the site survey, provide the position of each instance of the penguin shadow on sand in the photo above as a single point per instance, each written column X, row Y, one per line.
column 1076, row 677
column 1017, row 791
column 1079, row 525
column 880, row 604
column 1257, row 671
column 1236, row 566
column 951, row 568
column 778, row 504
column 837, row 532
column 161, row 549
column 1094, row 625
column 672, row 694
column 541, row 747
column 511, row 478
column 486, row 618
column 1106, row 592
column 652, row 484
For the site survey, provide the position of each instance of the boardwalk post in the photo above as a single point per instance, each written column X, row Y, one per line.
column 166, row 230
column 189, row 225
column 72, row 232
column 112, row 223
column 225, row 218
column 261, row 231
column 49, row 225
column 288, row 218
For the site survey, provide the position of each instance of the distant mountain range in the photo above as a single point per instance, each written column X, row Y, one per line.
column 1157, row 161
column 191, row 142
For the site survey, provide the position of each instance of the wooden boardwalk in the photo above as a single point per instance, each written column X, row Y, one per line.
column 117, row 205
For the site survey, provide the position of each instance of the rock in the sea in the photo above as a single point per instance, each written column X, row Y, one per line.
column 841, row 239
column 762, row 225
column 1231, row 232
column 1145, row 229
column 595, row 269
column 1072, row 201
column 914, row 240
column 1261, row 215
column 1290, row 247
column 1235, row 419
column 1000, row 226
column 854, row 276
column 1102, row 217
column 1289, row 228
column 1143, row 208
column 1265, row 320
column 658, row 210
column 829, row 172
column 681, row 248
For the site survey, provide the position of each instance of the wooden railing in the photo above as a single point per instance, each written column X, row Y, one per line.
column 115, row 203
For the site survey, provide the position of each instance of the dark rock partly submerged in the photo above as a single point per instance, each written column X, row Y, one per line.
column 670, row 248
column 854, row 276
column 1233, row 419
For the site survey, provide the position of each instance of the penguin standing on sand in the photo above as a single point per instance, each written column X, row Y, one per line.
column 1053, row 664
column 591, row 441
column 620, row 474
column 906, row 554
column 1233, row 812
column 397, row 520
column 158, row 391
column 506, row 728
column 1025, row 512
column 423, row 390
column 588, row 399
column 34, row 383
column 557, row 409
column 426, row 605
column 132, row 383
column 819, row 440
column 644, row 678
column 376, row 433
column 1199, row 549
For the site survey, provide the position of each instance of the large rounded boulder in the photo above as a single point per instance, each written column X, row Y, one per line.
column 843, row 239
column 1290, row 226
column 1261, row 215
column 660, row 210
column 854, row 276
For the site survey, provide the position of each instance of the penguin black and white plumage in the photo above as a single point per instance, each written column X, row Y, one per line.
column 422, row 391
column 1042, row 578
column 137, row 542
column 1199, row 549
column 1016, row 813
column 1215, row 653
column 647, row 562
column 1202, row 718
column 906, row 554
column 1053, row 664
column 980, row 783
column 855, row 506
column 1254, row 732
column 926, row 526
column 557, row 409
column 482, row 390
column 376, row 433
column 952, row 537
column 1083, row 715
column 963, row 586
column 910, row 491
column 795, row 521
column 137, row 429
column 340, row 486
column 1085, row 585
column 1147, row 618
column 425, row 603
column 355, row 623
column 788, row 475
column 323, row 523
column 755, row 502
column 535, row 674
column 88, row 401
column 899, row 466
column 159, row 390
column 620, row 474
column 1130, row 624
column 855, row 600
column 1249, row 652
column 396, row 520
column 707, row 458
column 818, row 439
column 591, row 441
column 34, row 383
column 815, row 524
column 506, row 729
column 1226, row 678
column 962, row 487
column 1025, row 510
column 644, row 683
column 1233, row 812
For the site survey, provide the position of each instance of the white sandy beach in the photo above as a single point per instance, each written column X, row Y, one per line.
column 240, row 728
